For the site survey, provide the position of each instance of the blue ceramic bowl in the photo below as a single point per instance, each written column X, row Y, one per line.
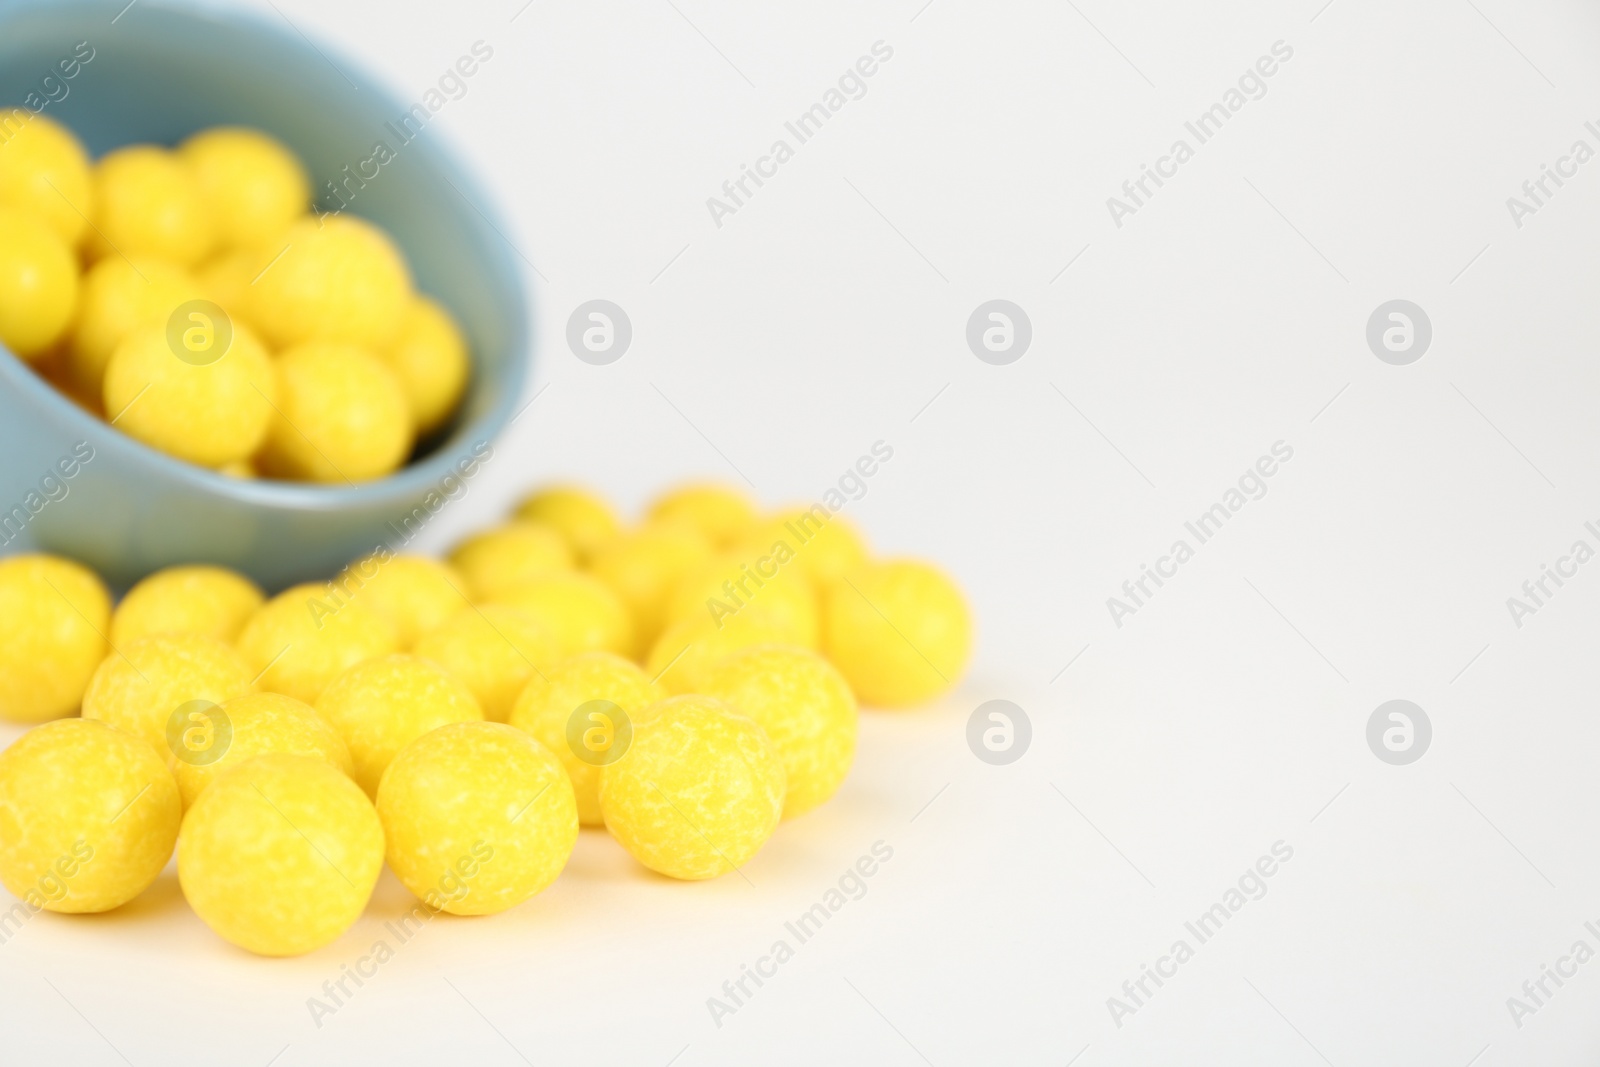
column 161, row 71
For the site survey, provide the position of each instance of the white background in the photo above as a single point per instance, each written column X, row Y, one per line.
column 1227, row 715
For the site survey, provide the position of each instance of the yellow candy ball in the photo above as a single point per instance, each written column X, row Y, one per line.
column 583, row 518
column 721, row 513
column 581, row 612
column 279, row 856
column 38, row 284
column 340, row 416
column 686, row 652
column 337, row 279
column 898, row 630
column 824, row 545
column 53, row 617
column 253, row 185
column 493, row 651
column 583, row 710
column 44, row 171
column 415, row 594
column 429, row 357
column 225, row 279
column 381, row 706
column 698, row 792
column 194, row 599
column 735, row 585
column 206, row 407
column 307, row 636
column 216, row 738
column 805, row 707
column 88, row 816
column 142, row 687
column 478, row 817
column 644, row 568
column 118, row 295
column 147, row 203
column 509, row 556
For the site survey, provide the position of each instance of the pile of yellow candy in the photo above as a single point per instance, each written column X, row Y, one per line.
column 188, row 297
column 685, row 683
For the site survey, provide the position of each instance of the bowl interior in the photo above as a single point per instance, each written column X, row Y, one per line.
column 163, row 70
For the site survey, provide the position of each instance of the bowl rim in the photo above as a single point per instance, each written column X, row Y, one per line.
column 409, row 481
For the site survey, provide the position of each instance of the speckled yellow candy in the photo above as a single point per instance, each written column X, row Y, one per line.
column 38, row 284
column 53, row 617
column 685, row 653
column 307, row 636
column 698, row 792
column 805, row 707
column 733, row 584
column 898, row 630
column 147, row 203
column 823, row 544
column 510, row 555
column 546, row 705
column 340, row 416
column 583, row 518
column 117, row 295
column 141, row 685
column 88, row 816
column 211, row 413
column 429, row 357
column 188, row 599
column 280, row 855
column 253, row 185
column 493, row 651
column 722, row 514
column 580, row 611
column 44, row 171
column 478, row 817
column 381, row 706
column 258, row 724
column 416, row 594
column 337, row 278
column 644, row 568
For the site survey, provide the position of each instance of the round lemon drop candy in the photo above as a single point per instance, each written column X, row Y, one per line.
column 147, row 203
column 194, row 599
column 253, row 185
column 279, row 855
column 416, row 594
column 210, row 408
column 44, row 171
column 429, row 357
column 736, row 585
column 582, row 710
column 722, row 514
column 581, row 612
column 381, row 706
column 337, row 278
column 823, row 544
column 88, row 816
column 690, row 648
column 805, row 707
column 53, row 616
column 583, row 518
column 478, row 817
column 899, row 631
column 493, row 651
column 698, row 792
column 140, row 687
column 38, row 285
column 510, row 555
column 213, row 739
column 645, row 566
column 118, row 295
column 340, row 416
column 307, row 636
